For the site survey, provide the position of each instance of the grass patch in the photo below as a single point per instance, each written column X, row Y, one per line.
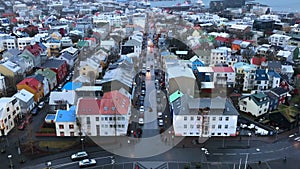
column 57, row 144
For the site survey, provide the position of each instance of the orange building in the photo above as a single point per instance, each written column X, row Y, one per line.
column 33, row 86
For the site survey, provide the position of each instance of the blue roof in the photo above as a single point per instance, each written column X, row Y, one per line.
column 273, row 74
column 261, row 74
column 66, row 115
column 42, row 46
column 72, row 85
column 50, row 117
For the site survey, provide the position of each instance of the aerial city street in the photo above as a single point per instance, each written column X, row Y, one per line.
column 149, row 85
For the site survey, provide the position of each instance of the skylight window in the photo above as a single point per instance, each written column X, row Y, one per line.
column 105, row 108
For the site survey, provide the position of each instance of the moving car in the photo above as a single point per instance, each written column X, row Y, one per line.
column 87, row 163
column 79, row 156
column 148, row 69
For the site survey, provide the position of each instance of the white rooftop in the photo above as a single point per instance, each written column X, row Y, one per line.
column 23, row 95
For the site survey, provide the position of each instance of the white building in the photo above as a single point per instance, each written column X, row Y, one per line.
column 224, row 76
column 204, row 117
column 108, row 116
column 245, row 73
column 26, row 100
column 65, row 122
column 255, row 104
column 23, row 42
column 9, row 43
column 279, row 40
column 9, row 110
column 218, row 56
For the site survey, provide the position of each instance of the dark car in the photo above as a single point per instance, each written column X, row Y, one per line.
column 34, row 111
column 22, row 125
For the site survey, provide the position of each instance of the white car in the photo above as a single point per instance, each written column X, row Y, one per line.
column 79, row 155
column 159, row 115
column 41, row 105
column 148, row 69
column 87, row 162
column 142, row 109
column 297, row 139
column 141, row 121
column 160, row 122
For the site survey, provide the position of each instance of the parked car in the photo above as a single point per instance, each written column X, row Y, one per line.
column 160, row 122
column 79, row 156
column 141, row 121
column 159, row 115
column 22, row 125
column 87, row 163
column 148, row 69
column 41, row 105
column 142, row 109
column 28, row 119
column 34, row 111
column 143, row 92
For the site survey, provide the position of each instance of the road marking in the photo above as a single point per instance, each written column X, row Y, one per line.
column 269, row 151
column 218, row 154
column 243, row 153
column 257, row 153
column 231, row 154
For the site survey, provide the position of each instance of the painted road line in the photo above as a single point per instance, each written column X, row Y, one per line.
column 231, row 154
column 218, row 154
column 257, row 153
column 269, row 151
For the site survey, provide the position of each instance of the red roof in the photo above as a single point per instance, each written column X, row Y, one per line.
column 111, row 103
column 34, row 49
column 88, row 106
column 114, row 102
column 222, row 69
column 258, row 61
column 31, row 82
column 222, row 39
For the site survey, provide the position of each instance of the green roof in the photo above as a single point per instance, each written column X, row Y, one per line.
column 288, row 112
column 82, row 43
column 48, row 73
column 174, row 96
column 259, row 95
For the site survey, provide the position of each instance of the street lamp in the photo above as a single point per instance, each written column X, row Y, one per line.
column 82, row 143
column 249, row 134
column 10, row 161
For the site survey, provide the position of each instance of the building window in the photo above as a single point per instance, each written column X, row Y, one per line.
column 226, row 126
column 97, row 118
column 71, row 133
column 7, row 109
column 220, row 118
column 184, row 118
column 106, row 118
column 192, row 118
column 61, row 126
column 213, row 126
column 198, row 126
column 212, row 134
column 9, row 116
column 71, row 126
column 88, row 120
column 227, row 118
column 62, row 134
column 214, row 119
column 18, row 108
column 185, row 126
column 110, row 118
column 102, row 118
column 219, row 134
column 191, row 126
column 219, row 126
